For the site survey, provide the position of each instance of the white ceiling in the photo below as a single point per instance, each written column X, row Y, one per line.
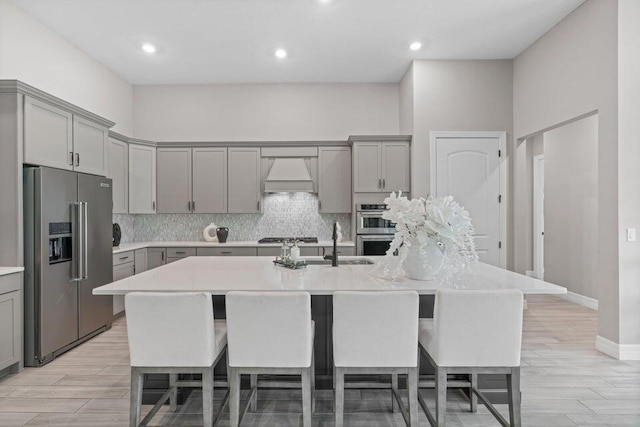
column 232, row 41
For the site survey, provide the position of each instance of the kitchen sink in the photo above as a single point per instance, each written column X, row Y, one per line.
column 340, row 262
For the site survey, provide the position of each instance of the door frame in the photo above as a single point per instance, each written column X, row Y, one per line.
column 538, row 262
column 504, row 158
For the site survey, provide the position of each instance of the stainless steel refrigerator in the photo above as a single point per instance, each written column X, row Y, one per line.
column 68, row 253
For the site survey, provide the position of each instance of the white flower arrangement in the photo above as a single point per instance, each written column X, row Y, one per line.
column 420, row 221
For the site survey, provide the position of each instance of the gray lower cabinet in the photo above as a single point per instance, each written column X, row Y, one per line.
column 176, row 254
column 342, row 250
column 227, row 251
column 173, row 180
column 156, row 257
column 140, row 260
column 123, row 267
column 11, row 321
column 334, row 179
column 244, row 180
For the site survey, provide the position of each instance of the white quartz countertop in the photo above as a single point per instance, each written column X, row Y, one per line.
column 220, row 275
column 10, row 270
column 124, row 247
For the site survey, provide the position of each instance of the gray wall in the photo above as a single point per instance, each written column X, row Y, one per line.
column 406, row 102
column 628, row 170
column 284, row 215
column 459, row 96
column 570, row 71
column 571, row 206
column 31, row 52
column 262, row 112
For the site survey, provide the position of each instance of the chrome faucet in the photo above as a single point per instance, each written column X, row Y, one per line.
column 334, row 257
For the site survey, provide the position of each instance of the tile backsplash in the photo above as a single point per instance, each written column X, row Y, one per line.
column 284, row 215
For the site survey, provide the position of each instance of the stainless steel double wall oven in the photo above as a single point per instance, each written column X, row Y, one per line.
column 373, row 233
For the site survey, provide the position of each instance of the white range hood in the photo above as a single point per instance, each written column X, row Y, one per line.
column 288, row 175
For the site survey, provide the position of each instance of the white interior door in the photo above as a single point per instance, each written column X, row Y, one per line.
column 538, row 216
column 468, row 169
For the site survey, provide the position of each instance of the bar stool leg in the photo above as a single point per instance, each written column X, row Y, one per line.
column 339, row 396
column 135, row 405
column 173, row 395
column 207, row 397
column 473, row 399
column 441, row 396
column 306, row 397
column 513, row 391
column 234, row 397
column 412, row 385
column 394, row 386
column 253, row 405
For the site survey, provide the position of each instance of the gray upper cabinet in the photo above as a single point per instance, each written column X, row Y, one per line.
column 48, row 135
column 381, row 167
column 90, row 146
column 366, row 167
column 244, row 180
column 142, row 179
column 119, row 174
column 174, row 180
column 396, row 168
column 334, row 186
column 57, row 138
column 209, row 180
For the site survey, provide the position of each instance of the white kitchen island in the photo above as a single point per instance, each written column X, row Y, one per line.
column 219, row 275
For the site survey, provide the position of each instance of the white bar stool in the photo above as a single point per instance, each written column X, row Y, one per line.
column 376, row 333
column 474, row 332
column 269, row 333
column 173, row 333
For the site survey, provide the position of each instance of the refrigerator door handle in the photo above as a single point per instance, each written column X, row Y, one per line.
column 85, row 240
column 79, row 252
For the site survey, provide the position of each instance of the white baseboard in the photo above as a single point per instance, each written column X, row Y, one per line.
column 618, row 351
column 591, row 303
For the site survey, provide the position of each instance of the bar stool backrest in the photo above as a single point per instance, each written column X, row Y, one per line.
column 375, row 329
column 477, row 328
column 170, row 329
column 269, row 329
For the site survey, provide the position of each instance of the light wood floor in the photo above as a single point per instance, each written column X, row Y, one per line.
column 565, row 382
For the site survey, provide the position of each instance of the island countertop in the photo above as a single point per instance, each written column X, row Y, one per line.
column 219, row 275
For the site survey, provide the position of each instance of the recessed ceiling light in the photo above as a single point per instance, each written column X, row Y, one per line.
column 149, row 48
column 415, row 46
column 281, row 53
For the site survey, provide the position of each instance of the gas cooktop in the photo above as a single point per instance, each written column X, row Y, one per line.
column 282, row 239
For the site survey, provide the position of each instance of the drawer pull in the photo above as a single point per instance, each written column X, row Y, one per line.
column 226, row 252
column 180, row 252
column 122, row 258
